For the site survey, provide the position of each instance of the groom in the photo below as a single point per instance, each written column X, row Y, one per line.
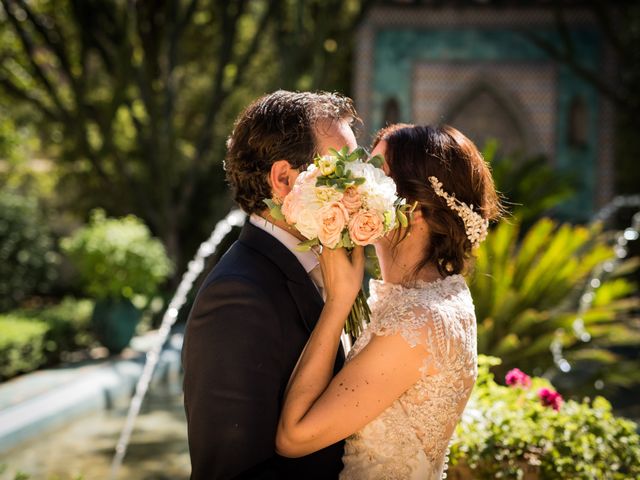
column 256, row 309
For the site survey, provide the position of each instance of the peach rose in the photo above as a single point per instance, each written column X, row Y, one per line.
column 352, row 200
column 366, row 227
column 332, row 220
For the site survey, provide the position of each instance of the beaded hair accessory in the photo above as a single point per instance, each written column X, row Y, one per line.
column 475, row 226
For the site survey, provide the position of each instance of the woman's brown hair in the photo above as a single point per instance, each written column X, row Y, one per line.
column 415, row 153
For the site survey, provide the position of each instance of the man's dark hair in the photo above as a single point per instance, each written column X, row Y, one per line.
column 277, row 126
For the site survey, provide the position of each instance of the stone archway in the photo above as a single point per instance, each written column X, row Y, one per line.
column 485, row 111
column 514, row 102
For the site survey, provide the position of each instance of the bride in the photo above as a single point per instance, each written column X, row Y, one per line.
column 409, row 375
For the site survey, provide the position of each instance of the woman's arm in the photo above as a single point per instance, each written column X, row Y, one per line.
column 318, row 410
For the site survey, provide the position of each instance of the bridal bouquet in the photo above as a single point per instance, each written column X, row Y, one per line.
column 343, row 200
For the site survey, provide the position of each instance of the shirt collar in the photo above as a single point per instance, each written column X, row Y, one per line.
column 308, row 260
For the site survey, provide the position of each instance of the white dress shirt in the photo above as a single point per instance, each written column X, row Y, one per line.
column 308, row 260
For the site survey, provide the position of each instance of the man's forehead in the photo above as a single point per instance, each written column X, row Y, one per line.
column 333, row 126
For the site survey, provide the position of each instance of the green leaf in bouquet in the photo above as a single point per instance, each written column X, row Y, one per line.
column 339, row 169
column 274, row 209
column 388, row 219
column 377, row 161
column 333, row 151
column 358, row 154
column 307, row 245
column 346, row 240
column 402, row 218
column 358, row 316
column 359, row 180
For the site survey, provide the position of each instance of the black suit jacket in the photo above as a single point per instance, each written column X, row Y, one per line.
column 249, row 323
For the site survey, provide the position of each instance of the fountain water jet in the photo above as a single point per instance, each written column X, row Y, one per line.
column 234, row 219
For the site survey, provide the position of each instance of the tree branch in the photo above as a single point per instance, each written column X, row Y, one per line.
column 14, row 90
column 30, row 50
column 54, row 45
column 243, row 63
column 229, row 27
column 205, row 139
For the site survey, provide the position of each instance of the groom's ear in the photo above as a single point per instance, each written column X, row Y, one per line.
column 281, row 178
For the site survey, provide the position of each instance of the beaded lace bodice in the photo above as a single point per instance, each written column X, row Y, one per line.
column 410, row 439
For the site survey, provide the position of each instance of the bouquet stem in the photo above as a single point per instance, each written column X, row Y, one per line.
column 358, row 316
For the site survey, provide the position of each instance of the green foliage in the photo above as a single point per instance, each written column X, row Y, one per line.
column 22, row 344
column 530, row 185
column 41, row 336
column 117, row 257
column 506, row 431
column 27, row 257
column 525, row 291
column 335, row 172
column 20, row 475
column 135, row 119
column 69, row 324
column 19, row 170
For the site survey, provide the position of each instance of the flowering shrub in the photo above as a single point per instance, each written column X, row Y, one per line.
column 550, row 398
column 526, row 428
column 517, row 377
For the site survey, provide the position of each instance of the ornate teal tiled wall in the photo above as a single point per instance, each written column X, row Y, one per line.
column 397, row 50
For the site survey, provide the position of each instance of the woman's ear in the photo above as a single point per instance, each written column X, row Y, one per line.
column 416, row 215
column 281, row 178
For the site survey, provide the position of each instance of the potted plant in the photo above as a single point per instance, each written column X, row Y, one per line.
column 117, row 259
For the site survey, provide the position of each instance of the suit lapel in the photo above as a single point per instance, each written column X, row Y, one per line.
column 303, row 291
column 309, row 303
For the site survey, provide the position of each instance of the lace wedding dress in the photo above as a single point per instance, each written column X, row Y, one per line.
column 410, row 439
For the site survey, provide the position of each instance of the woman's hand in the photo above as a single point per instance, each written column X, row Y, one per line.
column 342, row 274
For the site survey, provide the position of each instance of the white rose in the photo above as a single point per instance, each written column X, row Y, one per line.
column 307, row 223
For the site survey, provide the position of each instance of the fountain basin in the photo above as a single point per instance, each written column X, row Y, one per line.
column 36, row 403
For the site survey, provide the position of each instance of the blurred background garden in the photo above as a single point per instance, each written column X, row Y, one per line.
column 113, row 121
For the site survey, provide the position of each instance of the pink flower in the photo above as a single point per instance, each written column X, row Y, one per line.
column 366, row 227
column 352, row 200
column 332, row 220
column 550, row 398
column 517, row 378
